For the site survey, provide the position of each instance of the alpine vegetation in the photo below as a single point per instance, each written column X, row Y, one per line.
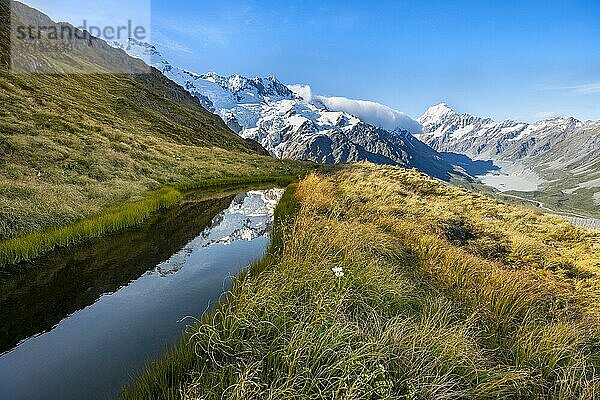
column 388, row 284
column 171, row 234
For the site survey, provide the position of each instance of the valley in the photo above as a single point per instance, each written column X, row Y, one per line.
column 532, row 160
column 291, row 126
column 168, row 233
column 554, row 161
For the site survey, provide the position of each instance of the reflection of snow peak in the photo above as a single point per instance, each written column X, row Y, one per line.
column 249, row 216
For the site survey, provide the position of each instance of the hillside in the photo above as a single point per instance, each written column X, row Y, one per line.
column 558, row 158
column 389, row 284
column 75, row 144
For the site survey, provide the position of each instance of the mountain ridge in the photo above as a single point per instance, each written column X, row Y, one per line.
column 560, row 156
column 290, row 126
column 485, row 138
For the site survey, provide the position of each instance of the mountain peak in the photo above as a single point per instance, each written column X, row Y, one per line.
column 142, row 50
column 436, row 113
column 441, row 108
column 257, row 87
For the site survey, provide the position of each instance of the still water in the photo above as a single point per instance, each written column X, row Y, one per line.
column 79, row 323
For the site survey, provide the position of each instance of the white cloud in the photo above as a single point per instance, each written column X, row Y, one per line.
column 544, row 114
column 371, row 112
column 587, row 88
column 304, row 91
column 583, row 89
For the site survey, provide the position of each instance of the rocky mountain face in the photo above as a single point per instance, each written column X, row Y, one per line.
column 484, row 138
column 570, row 143
column 564, row 151
column 290, row 126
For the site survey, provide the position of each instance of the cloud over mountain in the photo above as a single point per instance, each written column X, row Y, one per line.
column 371, row 112
column 303, row 91
column 376, row 114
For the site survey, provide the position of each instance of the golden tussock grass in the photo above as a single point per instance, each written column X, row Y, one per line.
column 390, row 285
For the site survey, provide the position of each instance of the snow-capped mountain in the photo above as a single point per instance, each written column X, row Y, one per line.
column 289, row 125
column 486, row 139
column 559, row 155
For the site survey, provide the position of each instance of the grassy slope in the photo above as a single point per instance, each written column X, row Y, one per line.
column 74, row 148
column 445, row 294
column 580, row 202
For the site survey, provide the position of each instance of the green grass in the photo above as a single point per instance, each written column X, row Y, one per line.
column 281, row 180
column 67, row 154
column 33, row 245
column 75, row 146
column 84, row 154
column 445, row 294
column 27, row 247
column 581, row 202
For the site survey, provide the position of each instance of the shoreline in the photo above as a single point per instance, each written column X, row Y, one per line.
column 124, row 216
column 379, row 269
column 180, row 358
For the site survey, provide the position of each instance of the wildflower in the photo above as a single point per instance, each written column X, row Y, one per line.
column 338, row 271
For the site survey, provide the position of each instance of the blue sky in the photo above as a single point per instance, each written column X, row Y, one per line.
column 511, row 59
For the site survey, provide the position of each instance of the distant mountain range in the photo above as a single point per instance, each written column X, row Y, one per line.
column 289, row 125
column 559, row 157
column 562, row 154
column 484, row 138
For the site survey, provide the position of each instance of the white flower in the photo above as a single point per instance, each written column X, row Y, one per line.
column 338, row 271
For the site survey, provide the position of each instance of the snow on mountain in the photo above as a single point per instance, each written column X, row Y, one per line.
column 290, row 122
column 561, row 155
column 434, row 116
column 486, row 139
column 372, row 113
